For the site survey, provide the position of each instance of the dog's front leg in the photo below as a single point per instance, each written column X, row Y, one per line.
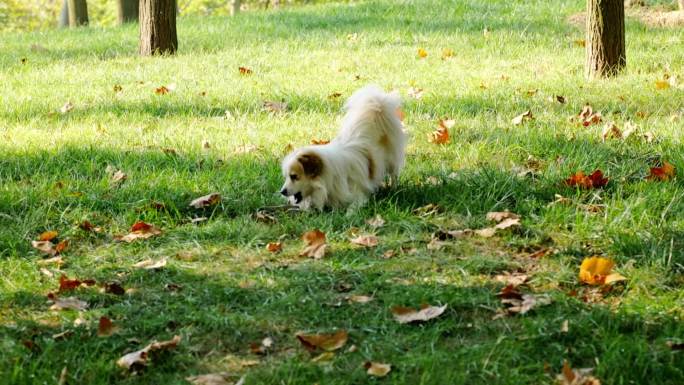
column 319, row 197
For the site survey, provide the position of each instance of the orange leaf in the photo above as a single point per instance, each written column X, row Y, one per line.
column 596, row 271
column 595, row 180
column 439, row 136
column 245, row 71
column 274, row 247
column 327, row 342
column 161, row 90
column 48, row 236
column 105, row 327
column 422, row 54
column 315, row 244
column 662, row 173
column 319, row 141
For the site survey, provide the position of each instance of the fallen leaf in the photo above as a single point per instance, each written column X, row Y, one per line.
column 245, row 71
column 89, row 227
column 114, row 288
column 531, row 92
column 508, row 222
column 527, row 303
column 388, row 254
column 46, row 247
column 565, row 326
column 118, row 177
column 63, row 335
column 48, row 236
column 61, row 246
column 595, row 180
column 359, row 298
column 524, row 117
column 597, row 271
column 49, row 261
column 515, row 279
column 72, row 303
column 140, row 357
column 326, row 342
column 485, row 233
column 365, row 240
column 324, row 357
column 571, row 376
column 210, row 379
column 580, row 43
column 662, row 84
column 106, row 327
column 588, row 117
column 439, row 136
column 319, row 141
column 611, row 130
column 406, row 314
column 422, row 54
column 447, row 53
column 376, row 222
column 271, row 106
column 262, row 347
column 274, row 247
column 118, row 88
column 206, row 200
column 377, row 369
column 315, row 244
column 415, row 93
column 149, row 264
column 498, row 216
column 139, row 230
column 67, row 107
column 66, row 284
column 560, row 99
column 334, row 95
column 662, row 173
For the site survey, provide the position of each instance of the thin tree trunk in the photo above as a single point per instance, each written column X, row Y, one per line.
column 158, row 27
column 235, row 7
column 605, row 52
column 64, row 15
column 78, row 13
column 128, row 11
column 681, row 5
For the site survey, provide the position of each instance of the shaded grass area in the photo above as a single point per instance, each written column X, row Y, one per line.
column 222, row 290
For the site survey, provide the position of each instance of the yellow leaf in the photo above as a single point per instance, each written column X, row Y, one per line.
column 377, row 369
column 422, row 53
column 662, row 84
column 596, row 271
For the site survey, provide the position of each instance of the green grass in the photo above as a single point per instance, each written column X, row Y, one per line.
column 53, row 174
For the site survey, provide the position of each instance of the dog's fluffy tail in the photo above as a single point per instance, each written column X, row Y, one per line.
column 373, row 113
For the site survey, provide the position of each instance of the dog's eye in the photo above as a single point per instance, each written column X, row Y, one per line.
column 293, row 176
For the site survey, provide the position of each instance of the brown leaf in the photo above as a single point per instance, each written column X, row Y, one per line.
column 326, row 342
column 274, row 247
column 114, row 288
column 61, row 246
column 271, row 106
column 319, row 141
column 611, row 130
column 210, row 379
column 162, row 90
column 48, row 236
column 66, row 284
column 376, row 222
column 106, row 327
column 245, row 71
column 89, row 227
column 118, row 177
column 498, row 216
column 139, row 230
column 46, row 247
column 524, row 117
column 262, row 347
column 439, row 136
column 377, row 369
column 365, row 240
column 595, row 180
column 662, row 173
column 72, row 303
column 334, row 95
column 406, row 314
column 206, row 200
column 140, row 357
column 415, row 93
column 588, row 117
column 515, row 279
column 67, row 107
column 149, row 264
column 315, row 244
column 571, row 376
column 527, row 303
column 117, row 88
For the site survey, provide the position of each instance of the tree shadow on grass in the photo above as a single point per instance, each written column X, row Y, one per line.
column 218, row 314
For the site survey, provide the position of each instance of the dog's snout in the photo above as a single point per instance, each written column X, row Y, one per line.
column 283, row 191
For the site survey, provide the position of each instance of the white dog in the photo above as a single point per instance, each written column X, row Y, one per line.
column 369, row 147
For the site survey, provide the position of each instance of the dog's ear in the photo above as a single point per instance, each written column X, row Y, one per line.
column 312, row 164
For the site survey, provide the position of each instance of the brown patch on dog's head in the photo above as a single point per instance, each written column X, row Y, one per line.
column 312, row 164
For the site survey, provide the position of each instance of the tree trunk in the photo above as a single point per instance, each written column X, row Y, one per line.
column 681, row 5
column 605, row 52
column 158, row 27
column 64, row 15
column 128, row 11
column 78, row 13
column 235, row 7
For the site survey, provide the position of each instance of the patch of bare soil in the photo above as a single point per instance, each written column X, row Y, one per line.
column 649, row 16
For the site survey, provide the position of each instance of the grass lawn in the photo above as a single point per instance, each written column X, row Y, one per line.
column 221, row 290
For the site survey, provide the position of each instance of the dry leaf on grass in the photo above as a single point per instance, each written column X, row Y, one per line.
column 150, row 264
column 66, row 284
column 407, row 315
column 571, row 376
column 514, row 279
column 245, row 71
column 376, row 221
column 46, row 247
column 415, row 93
column 315, row 244
column 271, row 106
column 524, row 117
column 441, row 135
column 359, row 298
column 206, row 200
column 89, row 227
column 139, row 230
column 71, row 303
column 140, row 357
column 274, row 247
column 422, row 54
column 595, row 180
column 377, row 369
column 106, row 327
column 662, row 173
column 597, row 271
column 324, row 357
column 67, row 107
column 48, row 236
column 447, row 53
column 262, row 347
column 526, row 303
column 499, row 216
column 49, row 261
column 327, row 342
column 319, row 141
column 588, row 117
column 210, row 379
column 366, row 240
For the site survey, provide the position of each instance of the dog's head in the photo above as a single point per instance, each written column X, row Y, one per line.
column 300, row 170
